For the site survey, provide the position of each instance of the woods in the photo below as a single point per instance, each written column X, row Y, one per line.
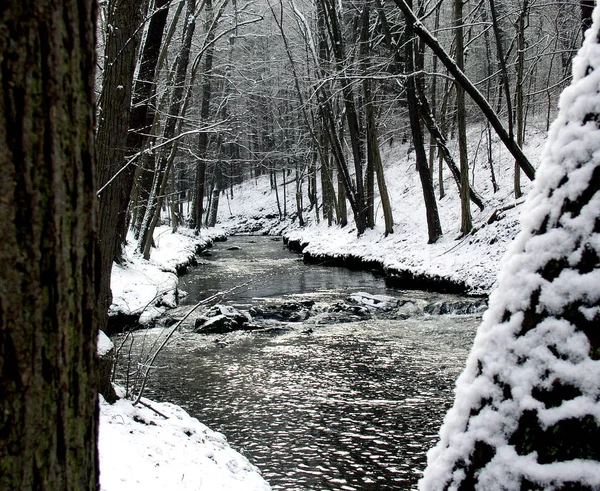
column 311, row 90
column 120, row 118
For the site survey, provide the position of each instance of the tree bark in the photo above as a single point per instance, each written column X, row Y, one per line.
column 113, row 124
column 466, row 223
column 172, row 123
column 434, row 227
column 143, row 109
column 48, row 213
column 198, row 203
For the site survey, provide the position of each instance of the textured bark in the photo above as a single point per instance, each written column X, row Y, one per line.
column 48, row 309
column 115, row 101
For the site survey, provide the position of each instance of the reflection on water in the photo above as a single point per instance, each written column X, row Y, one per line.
column 271, row 269
column 350, row 406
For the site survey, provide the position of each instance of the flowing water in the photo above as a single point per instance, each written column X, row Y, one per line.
column 336, row 402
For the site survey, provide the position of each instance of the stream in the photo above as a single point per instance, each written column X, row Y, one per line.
column 348, row 396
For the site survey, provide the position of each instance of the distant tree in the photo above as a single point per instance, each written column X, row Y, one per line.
column 48, row 307
column 434, row 227
column 527, row 405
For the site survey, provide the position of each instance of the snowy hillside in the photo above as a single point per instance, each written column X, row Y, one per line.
column 472, row 261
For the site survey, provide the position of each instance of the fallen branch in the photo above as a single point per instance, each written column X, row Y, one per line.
column 495, row 216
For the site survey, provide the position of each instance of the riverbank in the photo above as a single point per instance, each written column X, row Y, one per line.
column 143, row 290
column 466, row 265
column 156, row 446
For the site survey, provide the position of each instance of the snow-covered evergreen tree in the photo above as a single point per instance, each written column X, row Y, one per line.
column 527, row 407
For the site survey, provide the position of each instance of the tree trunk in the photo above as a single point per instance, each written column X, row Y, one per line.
column 464, row 82
column 143, row 108
column 369, row 115
column 434, row 227
column 216, row 193
column 519, row 96
column 466, row 223
column 113, row 124
column 48, row 210
column 198, row 202
column 355, row 129
column 172, row 123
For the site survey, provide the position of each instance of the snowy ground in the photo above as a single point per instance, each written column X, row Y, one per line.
column 472, row 261
column 163, row 448
column 148, row 288
column 139, row 448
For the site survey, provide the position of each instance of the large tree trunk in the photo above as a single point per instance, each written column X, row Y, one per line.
column 526, row 408
column 113, row 124
column 48, row 307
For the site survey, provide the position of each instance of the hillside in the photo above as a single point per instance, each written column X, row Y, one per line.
column 470, row 263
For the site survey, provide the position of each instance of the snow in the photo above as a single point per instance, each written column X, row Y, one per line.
column 142, row 450
column 472, row 261
column 148, row 288
column 104, row 344
column 525, row 362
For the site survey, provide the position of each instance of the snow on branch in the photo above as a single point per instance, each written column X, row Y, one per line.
column 527, row 408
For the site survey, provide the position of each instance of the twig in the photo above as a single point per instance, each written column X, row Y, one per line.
column 145, row 404
column 173, row 329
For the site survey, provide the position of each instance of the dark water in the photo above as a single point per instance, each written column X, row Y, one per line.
column 271, row 269
column 346, row 406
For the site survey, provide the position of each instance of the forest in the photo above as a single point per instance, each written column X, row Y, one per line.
column 126, row 120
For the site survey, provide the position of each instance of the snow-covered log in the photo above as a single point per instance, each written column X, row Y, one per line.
column 527, row 407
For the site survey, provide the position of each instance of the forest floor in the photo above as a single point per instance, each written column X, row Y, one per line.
column 141, row 450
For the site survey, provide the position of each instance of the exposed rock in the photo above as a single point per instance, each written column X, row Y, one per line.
column 286, row 312
column 380, row 302
column 359, row 311
column 459, row 307
column 222, row 319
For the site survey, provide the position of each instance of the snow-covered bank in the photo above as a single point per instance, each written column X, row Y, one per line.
column 164, row 448
column 143, row 290
column 471, row 263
